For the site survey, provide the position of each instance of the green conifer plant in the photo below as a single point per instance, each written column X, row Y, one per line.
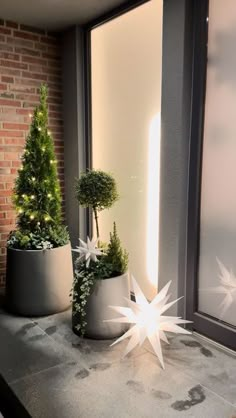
column 116, row 256
column 36, row 195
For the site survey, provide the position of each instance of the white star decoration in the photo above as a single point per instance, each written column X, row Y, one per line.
column 227, row 287
column 148, row 319
column 88, row 251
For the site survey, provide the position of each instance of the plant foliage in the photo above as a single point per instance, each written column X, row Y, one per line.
column 116, row 256
column 112, row 263
column 40, row 239
column 36, row 195
column 96, row 189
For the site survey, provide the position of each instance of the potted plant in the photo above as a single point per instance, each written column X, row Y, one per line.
column 39, row 264
column 101, row 277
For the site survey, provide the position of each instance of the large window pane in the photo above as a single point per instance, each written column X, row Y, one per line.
column 217, row 267
column 126, row 99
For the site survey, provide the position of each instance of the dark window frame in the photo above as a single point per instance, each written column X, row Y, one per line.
column 202, row 323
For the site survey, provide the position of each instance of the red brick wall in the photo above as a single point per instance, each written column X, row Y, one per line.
column 28, row 57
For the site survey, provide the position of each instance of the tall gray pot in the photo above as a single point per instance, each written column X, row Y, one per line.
column 105, row 293
column 38, row 282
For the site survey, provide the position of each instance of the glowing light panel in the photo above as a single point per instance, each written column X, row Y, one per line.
column 153, row 198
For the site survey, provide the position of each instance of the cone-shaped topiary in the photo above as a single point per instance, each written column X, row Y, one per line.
column 37, row 195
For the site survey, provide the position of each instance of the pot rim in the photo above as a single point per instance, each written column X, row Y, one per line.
column 115, row 277
column 39, row 250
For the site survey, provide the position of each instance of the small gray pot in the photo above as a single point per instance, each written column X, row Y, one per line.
column 38, row 282
column 105, row 293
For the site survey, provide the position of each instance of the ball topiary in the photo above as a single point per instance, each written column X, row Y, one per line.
column 96, row 189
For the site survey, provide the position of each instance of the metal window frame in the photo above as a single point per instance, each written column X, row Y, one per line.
column 202, row 323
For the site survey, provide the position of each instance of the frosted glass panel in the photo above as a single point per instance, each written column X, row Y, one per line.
column 217, row 267
column 126, row 100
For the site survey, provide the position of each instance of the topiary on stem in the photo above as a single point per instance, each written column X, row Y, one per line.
column 96, row 189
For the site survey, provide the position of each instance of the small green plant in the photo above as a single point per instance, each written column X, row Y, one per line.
column 116, row 257
column 113, row 263
column 40, row 239
column 96, row 189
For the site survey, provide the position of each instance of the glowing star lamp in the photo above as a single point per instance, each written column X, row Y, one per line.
column 148, row 320
column 88, row 251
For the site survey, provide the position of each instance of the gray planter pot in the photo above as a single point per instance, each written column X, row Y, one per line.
column 38, row 282
column 105, row 293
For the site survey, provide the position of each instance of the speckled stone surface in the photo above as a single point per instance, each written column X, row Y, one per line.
column 56, row 374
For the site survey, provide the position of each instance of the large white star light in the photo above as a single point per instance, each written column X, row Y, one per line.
column 149, row 321
column 88, row 251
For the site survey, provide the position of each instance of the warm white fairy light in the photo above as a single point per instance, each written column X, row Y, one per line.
column 31, row 217
column 32, row 196
column 20, row 210
column 38, row 223
column 30, row 115
column 24, row 196
column 39, row 129
column 33, row 178
column 43, row 149
column 49, row 195
column 46, row 218
column 40, row 113
column 148, row 321
column 49, row 132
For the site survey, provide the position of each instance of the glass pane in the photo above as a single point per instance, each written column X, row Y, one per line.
column 217, row 264
column 126, row 100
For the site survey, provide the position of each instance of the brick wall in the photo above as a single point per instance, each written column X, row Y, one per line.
column 28, row 57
